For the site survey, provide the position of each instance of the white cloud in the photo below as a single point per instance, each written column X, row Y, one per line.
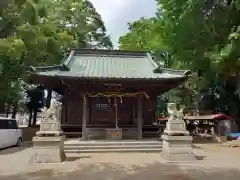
column 117, row 13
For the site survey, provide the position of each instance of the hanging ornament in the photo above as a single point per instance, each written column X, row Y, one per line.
column 121, row 99
column 117, row 94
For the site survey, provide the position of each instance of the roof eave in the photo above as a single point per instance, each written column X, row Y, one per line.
column 114, row 79
column 160, row 69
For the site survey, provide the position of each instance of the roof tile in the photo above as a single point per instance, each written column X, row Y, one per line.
column 112, row 64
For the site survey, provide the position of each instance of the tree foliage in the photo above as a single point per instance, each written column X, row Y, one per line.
column 200, row 35
column 144, row 35
column 34, row 32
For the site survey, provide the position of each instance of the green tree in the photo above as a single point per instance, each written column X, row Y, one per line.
column 34, row 32
column 81, row 19
column 144, row 35
column 199, row 35
column 203, row 35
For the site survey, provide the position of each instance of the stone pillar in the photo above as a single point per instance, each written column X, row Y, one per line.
column 84, row 117
column 140, row 118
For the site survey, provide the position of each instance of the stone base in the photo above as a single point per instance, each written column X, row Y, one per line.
column 176, row 128
column 114, row 134
column 48, row 149
column 177, row 149
column 49, row 133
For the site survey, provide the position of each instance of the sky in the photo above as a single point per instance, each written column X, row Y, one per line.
column 117, row 13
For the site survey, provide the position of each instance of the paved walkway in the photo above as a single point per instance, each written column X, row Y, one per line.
column 214, row 162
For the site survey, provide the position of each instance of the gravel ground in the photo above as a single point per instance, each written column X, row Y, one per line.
column 214, row 162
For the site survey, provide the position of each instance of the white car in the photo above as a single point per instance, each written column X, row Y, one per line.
column 10, row 134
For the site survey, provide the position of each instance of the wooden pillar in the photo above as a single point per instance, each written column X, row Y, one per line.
column 134, row 112
column 66, row 114
column 116, row 113
column 63, row 115
column 84, row 117
column 140, row 118
column 88, row 110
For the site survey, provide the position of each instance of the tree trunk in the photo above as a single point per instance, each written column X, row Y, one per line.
column 2, row 107
column 7, row 110
column 238, row 85
column 213, row 100
column 237, row 91
column 49, row 98
column 30, row 118
column 14, row 112
column 35, row 111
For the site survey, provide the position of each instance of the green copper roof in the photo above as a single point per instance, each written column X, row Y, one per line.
column 110, row 64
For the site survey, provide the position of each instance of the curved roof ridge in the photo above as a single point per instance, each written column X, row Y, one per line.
column 175, row 71
column 109, row 52
column 151, row 60
column 68, row 60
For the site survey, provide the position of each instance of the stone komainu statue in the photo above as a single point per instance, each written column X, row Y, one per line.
column 179, row 115
column 175, row 124
column 50, row 124
column 53, row 112
column 174, row 113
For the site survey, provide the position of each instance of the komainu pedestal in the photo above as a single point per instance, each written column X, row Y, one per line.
column 49, row 149
column 50, row 127
column 177, row 148
column 177, row 143
column 48, row 144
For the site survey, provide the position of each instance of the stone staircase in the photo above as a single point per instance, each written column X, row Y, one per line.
column 104, row 146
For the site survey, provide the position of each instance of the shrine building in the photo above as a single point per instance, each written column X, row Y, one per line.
column 108, row 89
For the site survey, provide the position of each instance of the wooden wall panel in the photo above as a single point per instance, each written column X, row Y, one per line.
column 148, row 111
column 102, row 111
column 74, row 109
column 125, row 111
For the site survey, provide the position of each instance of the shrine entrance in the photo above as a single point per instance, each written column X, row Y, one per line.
column 112, row 112
column 115, row 112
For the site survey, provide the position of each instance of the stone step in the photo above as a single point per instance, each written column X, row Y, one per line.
column 142, row 150
column 123, row 146
column 110, row 143
column 101, row 146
